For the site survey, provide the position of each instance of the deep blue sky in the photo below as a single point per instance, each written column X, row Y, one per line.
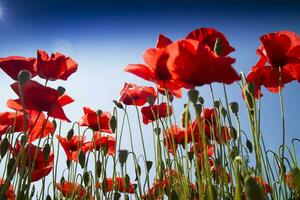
column 103, row 37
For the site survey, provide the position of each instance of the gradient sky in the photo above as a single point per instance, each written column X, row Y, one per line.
column 105, row 36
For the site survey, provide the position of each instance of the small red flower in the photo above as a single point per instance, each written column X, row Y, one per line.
column 154, row 112
column 174, row 136
column 58, row 66
column 192, row 64
column 73, row 146
column 93, row 121
column 40, row 98
column 42, row 167
column 40, row 127
column 119, row 185
column 12, row 65
column 69, row 189
column 155, row 67
column 15, row 120
column 99, row 142
column 279, row 63
column 208, row 36
column 10, row 193
column 132, row 94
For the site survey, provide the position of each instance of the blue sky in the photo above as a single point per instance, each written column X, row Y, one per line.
column 105, row 36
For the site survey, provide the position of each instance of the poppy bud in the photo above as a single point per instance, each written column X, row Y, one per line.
column 99, row 112
column 138, row 171
column 4, row 147
column 218, row 47
column 54, row 125
column 81, row 158
column 198, row 108
column 113, row 123
column 86, row 178
column 193, row 95
column 117, row 196
column 233, row 133
column 11, row 168
column 186, row 114
column 70, row 134
column 98, row 168
column 249, row 99
column 224, row 112
column 217, row 104
column 24, row 76
column 23, row 140
column 252, row 190
column 157, row 131
column 68, row 162
column 61, row 90
column 48, row 197
column 201, row 100
column 190, row 156
column 46, row 151
column 118, row 104
column 150, row 100
column 251, row 88
column 127, row 181
column 62, row 180
column 234, row 106
column 249, row 146
column 123, row 154
column 149, row 165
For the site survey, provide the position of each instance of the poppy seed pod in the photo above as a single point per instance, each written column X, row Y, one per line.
column 123, row 154
column 193, row 95
column 24, row 76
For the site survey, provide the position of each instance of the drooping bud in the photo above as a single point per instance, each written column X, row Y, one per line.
column 70, row 134
column 217, row 104
column 86, row 178
column 81, row 158
column 98, row 168
column 123, row 154
column 24, row 76
column 201, row 100
column 157, row 131
column 99, row 112
column 11, row 169
column 233, row 133
column 150, row 100
column 249, row 146
column 149, row 165
column 118, row 104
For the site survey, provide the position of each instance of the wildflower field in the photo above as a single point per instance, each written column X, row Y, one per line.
column 203, row 153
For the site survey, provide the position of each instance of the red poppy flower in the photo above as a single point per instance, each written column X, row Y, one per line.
column 155, row 67
column 132, row 94
column 98, row 142
column 208, row 36
column 10, row 193
column 192, row 64
column 91, row 119
column 42, row 167
column 174, row 134
column 40, row 127
column 58, row 66
column 119, row 185
column 163, row 41
column 154, row 112
column 73, row 146
column 69, row 189
column 40, row 98
column 14, row 64
column 15, row 120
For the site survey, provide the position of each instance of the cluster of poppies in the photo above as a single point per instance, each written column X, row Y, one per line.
column 201, row 58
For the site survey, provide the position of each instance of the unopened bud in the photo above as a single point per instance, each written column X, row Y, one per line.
column 24, row 76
